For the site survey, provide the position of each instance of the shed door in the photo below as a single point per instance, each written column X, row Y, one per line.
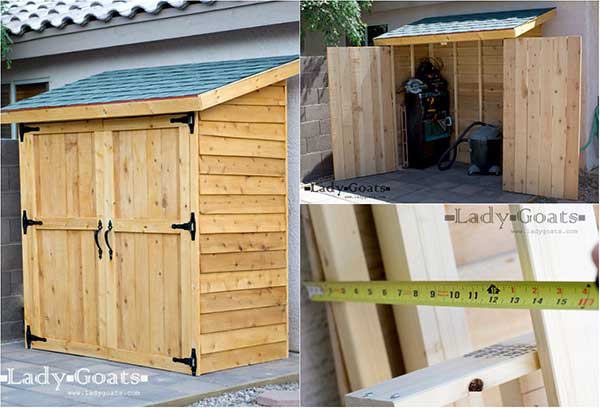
column 147, row 179
column 541, row 127
column 62, row 279
column 362, row 110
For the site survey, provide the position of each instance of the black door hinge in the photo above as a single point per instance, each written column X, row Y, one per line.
column 189, row 119
column 28, row 223
column 190, row 361
column 23, row 128
column 188, row 226
column 29, row 338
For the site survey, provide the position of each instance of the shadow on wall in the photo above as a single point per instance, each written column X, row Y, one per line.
column 316, row 159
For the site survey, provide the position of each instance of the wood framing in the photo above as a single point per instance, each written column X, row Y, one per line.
column 469, row 35
column 358, row 325
column 567, row 341
column 144, row 292
column 155, row 106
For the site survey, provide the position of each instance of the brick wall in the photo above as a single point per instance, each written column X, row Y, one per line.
column 316, row 160
column 11, row 317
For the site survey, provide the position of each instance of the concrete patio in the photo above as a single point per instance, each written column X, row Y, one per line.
column 155, row 387
column 414, row 186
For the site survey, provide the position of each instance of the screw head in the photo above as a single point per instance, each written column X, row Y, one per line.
column 476, row 385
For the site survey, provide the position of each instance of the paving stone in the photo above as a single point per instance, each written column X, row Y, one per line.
column 279, row 398
column 11, row 256
column 467, row 189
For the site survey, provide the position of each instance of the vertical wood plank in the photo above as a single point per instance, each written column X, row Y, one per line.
column 480, row 80
column 521, row 114
column 358, row 325
column 533, row 116
column 185, row 240
column 368, row 134
column 356, row 110
column 388, row 103
column 27, row 173
column 346, row 84
column 545, row 161
column 573, row 117
column 455, row 88
column 508, row 124
column 412, row 60
column 196, row 322
column 110, row 268
column 376, row 110
column 567, row 347
column 100, row 178
column 559, row 117
column 336, row 114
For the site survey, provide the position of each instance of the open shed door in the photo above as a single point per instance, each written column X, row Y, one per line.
column 362, row 110
column 542, row 109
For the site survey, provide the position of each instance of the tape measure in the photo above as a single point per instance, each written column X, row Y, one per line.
column 487, row 294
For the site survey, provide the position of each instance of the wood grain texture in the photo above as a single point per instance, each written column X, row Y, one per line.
column 567, row 347
column 543, row 127
column 362, row 111
column 358, row 325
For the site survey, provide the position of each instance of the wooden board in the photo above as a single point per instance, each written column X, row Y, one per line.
column 542, row 113
column 448, row 381
column 567, row 341
column 242, row 226
column 363, row 118
column 358, row 325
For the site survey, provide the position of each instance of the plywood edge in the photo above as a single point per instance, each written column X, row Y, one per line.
column 250, row 84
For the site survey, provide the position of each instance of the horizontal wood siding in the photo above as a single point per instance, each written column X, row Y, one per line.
column 243, row 231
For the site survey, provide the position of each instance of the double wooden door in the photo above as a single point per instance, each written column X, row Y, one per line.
column 105, row 274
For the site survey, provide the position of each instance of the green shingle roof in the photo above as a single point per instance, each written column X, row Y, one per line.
column 466, row 23
column 151, row 83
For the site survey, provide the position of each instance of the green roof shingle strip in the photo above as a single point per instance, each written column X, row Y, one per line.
column 151, row 83
column 466, row 23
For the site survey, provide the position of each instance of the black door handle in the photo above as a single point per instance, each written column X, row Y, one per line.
column 96, row 239
column 108, row 228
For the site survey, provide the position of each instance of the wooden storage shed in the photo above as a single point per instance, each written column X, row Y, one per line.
column 155, row 214
column 500, row 70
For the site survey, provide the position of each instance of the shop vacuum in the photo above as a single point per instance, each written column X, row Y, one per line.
column 429, row 126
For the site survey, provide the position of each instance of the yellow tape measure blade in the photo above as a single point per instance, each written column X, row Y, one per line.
column 486, row 294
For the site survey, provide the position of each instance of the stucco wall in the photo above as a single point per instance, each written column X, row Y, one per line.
column 573, row 18
column 257, row 42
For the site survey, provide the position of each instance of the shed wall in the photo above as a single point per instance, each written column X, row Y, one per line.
column 243, row 230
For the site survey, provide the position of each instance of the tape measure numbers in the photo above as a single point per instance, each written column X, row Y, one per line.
column 488, row 294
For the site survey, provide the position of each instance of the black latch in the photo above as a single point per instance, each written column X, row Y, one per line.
column 188, row 226
column 189, row 119
column 190, row 361
column 23, row 128
column 27, row 222
column 29, row 338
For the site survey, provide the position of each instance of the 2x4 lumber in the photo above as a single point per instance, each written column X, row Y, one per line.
column 416, row 245
column 316, row 269
column 360, row 332
column 156, row 106
column 480, row 80
column 567, row 341
column 449, row 381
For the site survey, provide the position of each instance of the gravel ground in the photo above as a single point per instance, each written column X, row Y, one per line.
column 243, row 398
